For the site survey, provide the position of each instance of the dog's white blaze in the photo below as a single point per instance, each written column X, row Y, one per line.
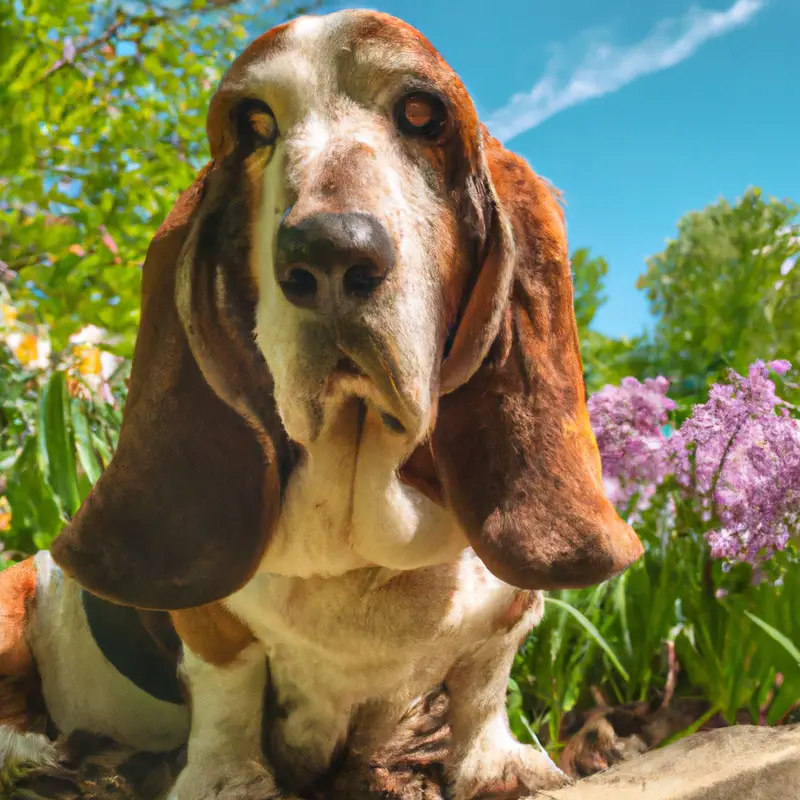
column 313, row 140
column 307, row 27
column 345, row 509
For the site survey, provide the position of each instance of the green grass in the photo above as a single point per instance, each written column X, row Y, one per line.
column 735, row 637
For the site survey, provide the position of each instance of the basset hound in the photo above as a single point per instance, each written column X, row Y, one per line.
column 355, row 448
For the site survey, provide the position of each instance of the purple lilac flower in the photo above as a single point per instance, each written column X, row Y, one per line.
column 739, row 453
column 779, row 367
column 628, row 422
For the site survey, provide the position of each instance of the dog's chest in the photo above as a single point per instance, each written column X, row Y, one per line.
column 365, row 583
column 368, row 630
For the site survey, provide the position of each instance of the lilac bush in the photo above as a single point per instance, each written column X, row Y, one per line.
column 628, row 422
column 738, row 454
column 736, row 459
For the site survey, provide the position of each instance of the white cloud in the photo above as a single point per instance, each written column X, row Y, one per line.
column 603, row 68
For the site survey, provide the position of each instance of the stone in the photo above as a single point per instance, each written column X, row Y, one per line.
column 742, row 761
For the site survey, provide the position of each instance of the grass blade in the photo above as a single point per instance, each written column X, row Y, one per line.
column 776, row 635
column 591, row 630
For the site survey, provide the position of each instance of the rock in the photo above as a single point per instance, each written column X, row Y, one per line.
column 742, row 761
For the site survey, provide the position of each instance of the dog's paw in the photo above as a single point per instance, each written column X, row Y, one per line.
column 517, row 771
column 221, row 781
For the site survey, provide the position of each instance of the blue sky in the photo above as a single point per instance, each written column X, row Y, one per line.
column 639, row 110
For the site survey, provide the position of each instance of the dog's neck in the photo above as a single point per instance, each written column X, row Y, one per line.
column 345, row 507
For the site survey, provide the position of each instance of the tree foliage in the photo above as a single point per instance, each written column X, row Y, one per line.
column 605, row 359
column 725, row 291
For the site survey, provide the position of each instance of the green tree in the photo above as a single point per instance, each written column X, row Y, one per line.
column 605, row 359
column 588, row 281
column 725, row 292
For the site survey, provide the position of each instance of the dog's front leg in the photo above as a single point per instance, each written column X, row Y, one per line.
column 486, row 759
column 226, row 674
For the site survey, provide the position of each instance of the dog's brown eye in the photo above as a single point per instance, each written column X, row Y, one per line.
column 418, row 111
column 422, row 114
column 257, row 124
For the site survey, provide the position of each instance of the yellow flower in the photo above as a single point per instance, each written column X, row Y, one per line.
column 88, row 358
column 9, row 314
column 5, row 514
column 28, row 348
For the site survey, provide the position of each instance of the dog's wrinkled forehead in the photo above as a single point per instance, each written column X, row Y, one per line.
column 315, row 62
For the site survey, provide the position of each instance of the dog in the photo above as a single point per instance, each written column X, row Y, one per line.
column 355, row 449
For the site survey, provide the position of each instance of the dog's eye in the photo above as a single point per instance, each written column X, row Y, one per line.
column 257, row 124
column 422, row 114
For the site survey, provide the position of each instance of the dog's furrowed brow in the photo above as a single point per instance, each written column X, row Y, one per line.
column 384, row 57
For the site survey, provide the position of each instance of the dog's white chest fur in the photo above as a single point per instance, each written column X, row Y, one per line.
column 366, row 585
column 366, row 633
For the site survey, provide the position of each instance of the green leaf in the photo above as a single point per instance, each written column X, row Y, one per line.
column 787, row 698
column 56, row 448
column 36, row 516
column 621, row 607
column 591, row 630
column 83, row 444
column 777, row 636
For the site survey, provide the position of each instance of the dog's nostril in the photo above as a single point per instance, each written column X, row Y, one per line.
column 299, row 284
column 361, row 280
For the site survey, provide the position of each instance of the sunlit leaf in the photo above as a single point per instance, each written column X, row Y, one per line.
column 56, row 447
column 774, row 634
column 591, row 630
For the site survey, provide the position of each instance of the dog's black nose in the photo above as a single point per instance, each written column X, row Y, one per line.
column 326, row 259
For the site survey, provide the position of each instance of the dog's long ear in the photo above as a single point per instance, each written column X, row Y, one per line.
column 183, row 513
column 512, row 443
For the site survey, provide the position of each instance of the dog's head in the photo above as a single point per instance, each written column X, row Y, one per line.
column 359, row 244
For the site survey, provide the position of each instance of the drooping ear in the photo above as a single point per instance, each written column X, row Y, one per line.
column 183, row 513
column 513, row 444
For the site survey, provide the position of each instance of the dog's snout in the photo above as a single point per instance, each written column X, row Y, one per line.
column 326, row 259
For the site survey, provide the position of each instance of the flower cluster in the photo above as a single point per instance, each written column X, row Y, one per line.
column 628, row 422
column 89, row 366
column 29, row 359
column 739, row 455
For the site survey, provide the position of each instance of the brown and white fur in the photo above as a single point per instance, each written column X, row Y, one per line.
column 344, row 497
